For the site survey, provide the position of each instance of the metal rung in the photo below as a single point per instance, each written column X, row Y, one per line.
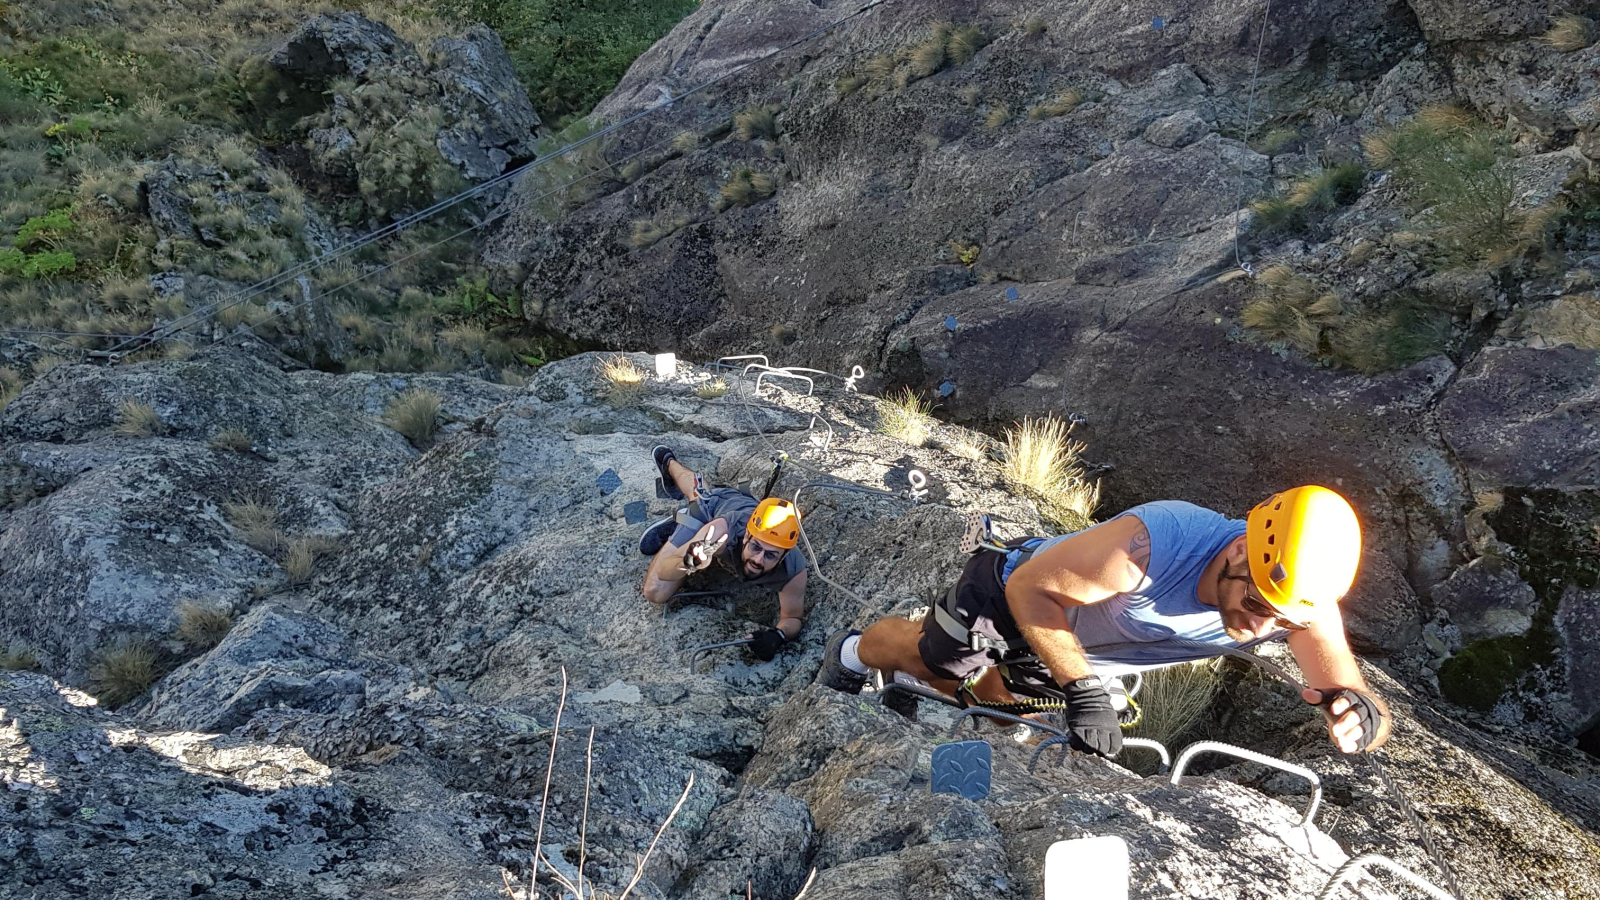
column 1193, row 750
column 827, row 442
column 1127, row 744
column 1356, row 866
column 726, row 361
column 987, row 713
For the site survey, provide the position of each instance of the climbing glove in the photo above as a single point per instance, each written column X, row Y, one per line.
column 765, row 644
column 1371, row 713
column 1091, row 720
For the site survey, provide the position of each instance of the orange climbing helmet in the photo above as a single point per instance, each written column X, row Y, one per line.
column 776, row 522
column 1304, row 546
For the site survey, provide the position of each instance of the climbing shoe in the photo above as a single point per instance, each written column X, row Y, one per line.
column 834, row 674
column 655, row 537
column 901, row 702
column 663, row 455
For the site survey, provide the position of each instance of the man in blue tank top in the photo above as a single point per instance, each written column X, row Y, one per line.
column 1156, row 585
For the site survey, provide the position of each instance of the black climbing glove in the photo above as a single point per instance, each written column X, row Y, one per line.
column 766, row 644
column 1091, row 720
column 1370, row 712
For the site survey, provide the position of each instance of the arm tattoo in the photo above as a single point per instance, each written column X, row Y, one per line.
column 1139, row 551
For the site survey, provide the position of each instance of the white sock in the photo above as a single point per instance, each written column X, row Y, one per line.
column 847, row 655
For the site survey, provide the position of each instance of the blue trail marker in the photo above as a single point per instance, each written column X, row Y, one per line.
column 608, row 481
column 950, row 323
column 635, row 512
column 962, row 767
column 1012, row 294
column 1157, row 23
column 947, row 389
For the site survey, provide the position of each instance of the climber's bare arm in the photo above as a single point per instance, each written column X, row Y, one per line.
column 1086, row 568
column 667, row 571
column 792, row 606
column 1324, row 656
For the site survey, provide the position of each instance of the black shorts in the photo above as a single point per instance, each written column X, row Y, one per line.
column 981, row 607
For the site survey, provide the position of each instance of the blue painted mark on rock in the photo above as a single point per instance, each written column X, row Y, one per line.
column 635, row 512
column 608, row 481
column 947, row 389
column 950, row 323
column 1012, row 293
column 1158, row 23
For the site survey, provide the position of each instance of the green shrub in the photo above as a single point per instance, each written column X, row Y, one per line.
column 1294, row 311
column 12, row 260
column 1452, row 171
column 572, row 52
column 46, row 230
column 1320, row 192
column 48, row 266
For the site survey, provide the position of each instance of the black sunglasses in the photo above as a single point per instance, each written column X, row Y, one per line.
column 1266, row 610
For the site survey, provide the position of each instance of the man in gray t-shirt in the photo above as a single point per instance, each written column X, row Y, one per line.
column 754, row 539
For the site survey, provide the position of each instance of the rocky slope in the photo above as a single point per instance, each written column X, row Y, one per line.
column 383, row 727
column 1050, row 226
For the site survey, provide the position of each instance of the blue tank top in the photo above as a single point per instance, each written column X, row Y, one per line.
column 1184, row 538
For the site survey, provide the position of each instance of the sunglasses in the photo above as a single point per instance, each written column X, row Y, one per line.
column 764, row 553
column 1264, row 609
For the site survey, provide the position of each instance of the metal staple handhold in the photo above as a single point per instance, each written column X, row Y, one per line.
column 1193, row 750
column 1356, row 865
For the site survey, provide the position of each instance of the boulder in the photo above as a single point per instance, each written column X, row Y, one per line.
column 1520, row 417
column 1177, row 130
column 1578, row 624
column 492, row 121
column 1487, row 599
column 338, row 45
column 1481, row 20
column 1381, row 612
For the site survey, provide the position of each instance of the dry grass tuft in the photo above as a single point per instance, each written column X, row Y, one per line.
column 1060, row 105
column 201, row 626
column 756, row 123
column 746, row 186
column 135, row 419
column 234, row 439
column 998, row 116
column 965, row 445
column 1291, row 309
column 1174, row 699
column 256, row 523
column 712, row 389
column 1042, row 457
column 906, row 416
column 1570, row 33
column 304, row 553
column 647, row 232
column 18, row 658
column 625, row 381
column 125, row 672
column 415, row 414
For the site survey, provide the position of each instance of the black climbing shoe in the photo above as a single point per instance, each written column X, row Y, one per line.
column 656, row 536
column 663, row 455
column 834, row 674
column 901, row 702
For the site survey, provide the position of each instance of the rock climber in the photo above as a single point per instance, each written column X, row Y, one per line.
column 726, row 526
column 1018, row 622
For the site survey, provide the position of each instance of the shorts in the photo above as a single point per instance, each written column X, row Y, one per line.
column 981, row 607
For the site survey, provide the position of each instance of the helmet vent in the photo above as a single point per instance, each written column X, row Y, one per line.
column 1279, row 573
column 1272, row 539
column 1277, row 506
